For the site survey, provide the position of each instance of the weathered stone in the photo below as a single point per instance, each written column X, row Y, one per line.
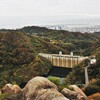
column 16, row 89
column 14, row 96
column 0, row 92
column 60, row 98
column 81, row 95
column 50, row 94
column 72, row 95
column 40, row 88
column 9, row 88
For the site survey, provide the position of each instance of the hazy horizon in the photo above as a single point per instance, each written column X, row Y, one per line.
column 19, row 13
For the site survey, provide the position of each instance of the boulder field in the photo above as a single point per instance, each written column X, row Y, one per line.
column 40, row 88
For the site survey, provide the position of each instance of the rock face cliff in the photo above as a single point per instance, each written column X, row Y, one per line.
column 40, row 88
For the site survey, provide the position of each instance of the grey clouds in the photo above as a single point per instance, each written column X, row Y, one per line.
column 17, row 13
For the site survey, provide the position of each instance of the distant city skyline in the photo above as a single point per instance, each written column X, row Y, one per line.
column 19, row 13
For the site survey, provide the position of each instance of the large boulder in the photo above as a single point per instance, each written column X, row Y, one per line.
column 11, row 92
column 40, row 88
column 16, row 89
column 81, row 95
column 9, row 88
column 72, row 95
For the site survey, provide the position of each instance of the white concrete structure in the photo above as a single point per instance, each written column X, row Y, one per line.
column 68, row 61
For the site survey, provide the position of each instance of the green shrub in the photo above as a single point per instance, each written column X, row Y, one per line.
column 55, row 80
column 61, row 83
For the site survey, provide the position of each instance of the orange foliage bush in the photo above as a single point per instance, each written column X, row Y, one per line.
column 95, row 96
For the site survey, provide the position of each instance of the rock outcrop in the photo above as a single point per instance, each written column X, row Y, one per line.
column 9, row 88
column 69, row 94
column 40, row 88
column 81, row 95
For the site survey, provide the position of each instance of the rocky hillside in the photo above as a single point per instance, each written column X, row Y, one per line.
column 19, row 60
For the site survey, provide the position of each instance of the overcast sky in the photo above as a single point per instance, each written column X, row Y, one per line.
column 18, row 13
